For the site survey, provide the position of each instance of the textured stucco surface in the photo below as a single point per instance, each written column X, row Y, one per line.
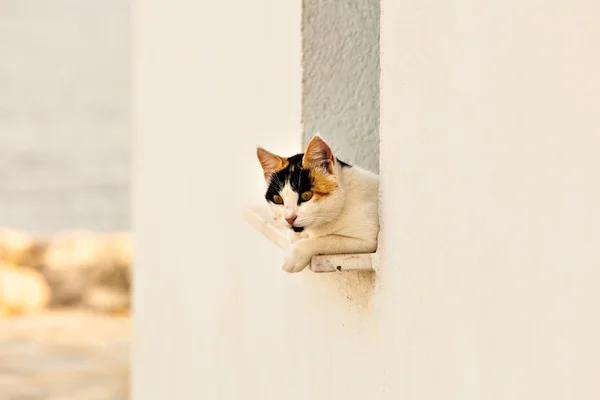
column 340, row 93
column 64, row 114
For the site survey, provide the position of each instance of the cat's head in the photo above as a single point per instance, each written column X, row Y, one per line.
column 304, row 190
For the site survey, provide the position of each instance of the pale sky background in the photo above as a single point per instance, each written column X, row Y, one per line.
column 64, row 115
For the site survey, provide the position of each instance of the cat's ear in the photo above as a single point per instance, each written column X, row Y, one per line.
column 271, row 163
column 318, row 154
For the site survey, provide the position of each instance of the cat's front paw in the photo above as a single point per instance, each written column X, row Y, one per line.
column 296, row 259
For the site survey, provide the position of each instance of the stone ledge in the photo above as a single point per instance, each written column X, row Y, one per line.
column 258, row 217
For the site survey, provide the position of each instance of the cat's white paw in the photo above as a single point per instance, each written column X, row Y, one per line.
column 296, row 259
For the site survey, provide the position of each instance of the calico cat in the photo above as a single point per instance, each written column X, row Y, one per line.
column 329, row 206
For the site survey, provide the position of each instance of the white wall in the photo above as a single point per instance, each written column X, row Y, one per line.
column 211, row 81
column 491, row 200
column 488, row 275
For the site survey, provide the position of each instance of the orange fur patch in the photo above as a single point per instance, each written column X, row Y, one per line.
column 271, row 163
column 322, row 184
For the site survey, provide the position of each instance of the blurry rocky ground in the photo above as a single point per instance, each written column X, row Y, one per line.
column 64, row 326
column 82, row 270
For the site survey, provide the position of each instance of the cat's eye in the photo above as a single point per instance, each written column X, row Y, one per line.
column 277, row 199
column 306, row 196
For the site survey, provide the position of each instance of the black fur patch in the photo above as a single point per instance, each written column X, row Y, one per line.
column 299, row 178
column 343, row 164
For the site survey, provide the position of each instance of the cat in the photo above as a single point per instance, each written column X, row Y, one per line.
column 329, row 206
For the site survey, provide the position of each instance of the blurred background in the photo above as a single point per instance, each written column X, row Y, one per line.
column 65, row 247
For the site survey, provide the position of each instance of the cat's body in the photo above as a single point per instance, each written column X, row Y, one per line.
column 329, row 206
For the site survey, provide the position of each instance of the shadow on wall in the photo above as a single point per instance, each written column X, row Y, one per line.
column 353, row 290
column 340, row 98
column 340, row 101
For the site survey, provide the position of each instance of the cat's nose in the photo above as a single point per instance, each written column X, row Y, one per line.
column 291, row 219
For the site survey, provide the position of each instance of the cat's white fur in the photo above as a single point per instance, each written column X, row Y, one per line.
column 344, row 222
